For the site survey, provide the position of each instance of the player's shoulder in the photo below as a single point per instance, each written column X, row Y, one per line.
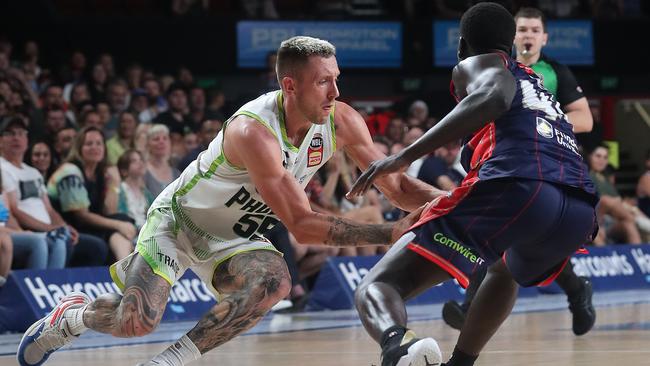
column 345, row 115
column 248, row 127
column 349, row 125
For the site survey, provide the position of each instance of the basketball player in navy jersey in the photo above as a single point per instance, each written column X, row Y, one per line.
column 526, row 205
column 530, row 38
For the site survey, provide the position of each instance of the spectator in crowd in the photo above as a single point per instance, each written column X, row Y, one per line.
column 75, row 70
column 22, row 188
column 410, row 137
column 157, row 103
column 104, row 111
column 79, row 94
column 106, row 60
column 216, row 104
column 134, row 76
column 4, row 107
column 30, row 250
column 190, row 142
column 139, row 102
column 185, row 78
column 643, row 188
column 208, row 131
column 418, row 114
column 118, row 96
column 396, row 129
column 39, row 156
column 91, row 118
column 441, row 169
column 26, row 195
column 176, row 118
column 98, row 83
column 160, row 172
column 611, row 203
column 5, row 89
column 85, row 190
column 198, row 106
column 63, row 141
column 53, row 96
column 134, row 198
column 54, row 122
column 31, row 65
column 140, row 139
column 118, row 101
column 123, row 139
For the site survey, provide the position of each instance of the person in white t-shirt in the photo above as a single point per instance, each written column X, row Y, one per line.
column 27, row 200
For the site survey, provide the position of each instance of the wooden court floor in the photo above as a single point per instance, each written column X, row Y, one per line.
column 621, row 337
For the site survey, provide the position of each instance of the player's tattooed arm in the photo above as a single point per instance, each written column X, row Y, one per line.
column 250, row 279
column 345, row 233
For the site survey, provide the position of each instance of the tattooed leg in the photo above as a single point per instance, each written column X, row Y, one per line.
column 138, row 311
column 253, row 282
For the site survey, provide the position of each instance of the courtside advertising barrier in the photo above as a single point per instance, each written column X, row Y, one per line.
column 29, row 295
column 610, row 268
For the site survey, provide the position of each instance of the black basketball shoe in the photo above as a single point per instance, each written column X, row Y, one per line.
column 584, row 314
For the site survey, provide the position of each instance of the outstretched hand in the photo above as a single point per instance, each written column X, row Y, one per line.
column 376, row 169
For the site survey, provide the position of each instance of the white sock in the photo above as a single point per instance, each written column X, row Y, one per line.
column 180, row 353
column 75, row 320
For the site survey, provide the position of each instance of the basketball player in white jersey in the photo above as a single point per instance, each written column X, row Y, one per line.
column 211, row 219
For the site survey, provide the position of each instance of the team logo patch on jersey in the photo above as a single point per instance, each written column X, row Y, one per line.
column 315, row 151
column 544, row 128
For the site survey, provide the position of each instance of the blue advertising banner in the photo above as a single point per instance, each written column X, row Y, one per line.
column 29, row 295
column 610, row 268
column 569, row 42
column 358, row 44
column 445, row 42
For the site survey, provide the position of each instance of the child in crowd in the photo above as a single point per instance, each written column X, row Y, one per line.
column 134, row 198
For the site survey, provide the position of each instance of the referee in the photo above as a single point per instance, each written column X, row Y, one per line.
column 530, row 38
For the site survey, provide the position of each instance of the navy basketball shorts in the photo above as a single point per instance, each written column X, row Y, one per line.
column 534, row 226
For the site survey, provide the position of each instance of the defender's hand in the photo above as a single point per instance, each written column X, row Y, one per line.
column 377, row 169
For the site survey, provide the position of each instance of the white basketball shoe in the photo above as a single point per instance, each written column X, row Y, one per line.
column 50, row 333
column 413, row 352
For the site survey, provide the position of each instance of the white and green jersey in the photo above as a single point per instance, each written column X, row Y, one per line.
column 216, row 202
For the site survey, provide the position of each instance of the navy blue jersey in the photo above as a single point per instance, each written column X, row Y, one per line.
column 532, row 140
